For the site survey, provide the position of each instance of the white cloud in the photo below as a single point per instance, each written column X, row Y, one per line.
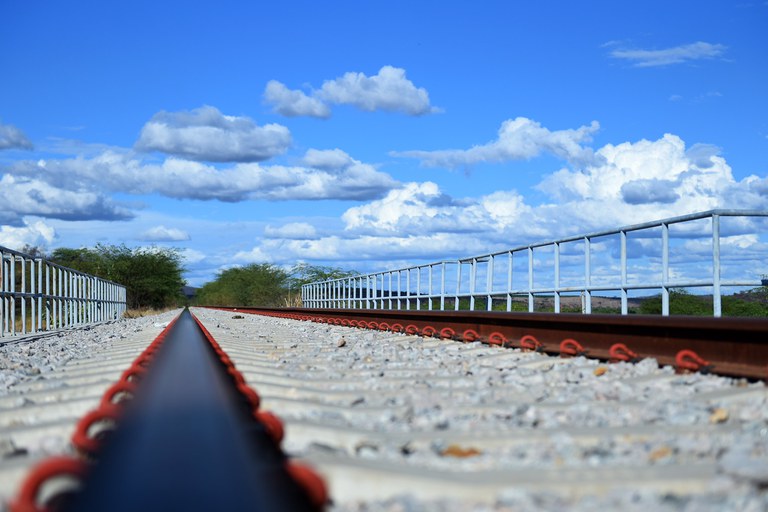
column 294, row 103
column 422, row 207
column 701, row 155
column 388, row 90
column 206, row 134
column 518, row 139
column 643, row 181
column 649, row 191
column 328, row 159
column 676, row 55
column 22, row 196
column 185, row 179
column 630, row 183
column 13, row 138
column 191, row 256
column 293, row 230
column 164, row 234
column 35, row 234
column 363, row 248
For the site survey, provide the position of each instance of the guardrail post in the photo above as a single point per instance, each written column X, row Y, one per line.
column 624, row 299
column 457, row 300
column 716, row 296
column 472, row 283
column 442, row 286
column 530, row 280
column 489, row 284
column 664, row 269
column 510, row 261
column 557, row 277
column 429, row 299
column 587, row 275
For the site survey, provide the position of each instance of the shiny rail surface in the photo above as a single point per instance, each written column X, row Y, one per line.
column 726, row 346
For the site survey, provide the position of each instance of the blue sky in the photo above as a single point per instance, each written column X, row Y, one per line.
column 369, row 135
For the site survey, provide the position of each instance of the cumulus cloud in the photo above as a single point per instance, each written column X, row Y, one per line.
column 13, row 138
column 388, row 90
column 646, row 180
column 419, row 207
column 518, row 139
column 629, row 183
column 676, row 55
column 701, row 155
column 191, row 256
column 649, row 191
column 185, row 179
column 366, row 247
column 164, row 234
column 207, row 134
column 294, row 103
column 22, row 196
column 292, row 231
column 327, row 159
column 34, row 234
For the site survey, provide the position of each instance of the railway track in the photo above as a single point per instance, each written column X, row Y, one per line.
column 397, row 421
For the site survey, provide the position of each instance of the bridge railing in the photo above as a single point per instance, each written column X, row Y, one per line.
column 38, row 295
column 690, row 251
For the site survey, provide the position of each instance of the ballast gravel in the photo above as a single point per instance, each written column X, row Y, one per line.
column 552, row 414
column 543, row 413
column 32, row 357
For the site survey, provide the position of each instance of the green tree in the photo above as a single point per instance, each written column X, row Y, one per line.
column 304, row 273
column 152, row 276
column 85, row 260
column 264, row 284
column 257, row 284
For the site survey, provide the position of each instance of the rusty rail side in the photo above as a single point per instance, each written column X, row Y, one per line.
column 726, row 346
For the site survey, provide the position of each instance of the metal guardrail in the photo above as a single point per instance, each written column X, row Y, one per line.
column 38, row 295
column 569, row 267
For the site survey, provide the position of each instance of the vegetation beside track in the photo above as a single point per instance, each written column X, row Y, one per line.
column 152, row 276
column 264, row 285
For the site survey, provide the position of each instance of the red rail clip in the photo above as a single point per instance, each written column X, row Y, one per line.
column 428, row 331
column 529, row 342
column 690, row 361
column 571, row 347
column 87, row 441
column 620, row 352
column 28, row 499
column 496, row 338
column 470, row 335
column 310, row 481
column 447, row 333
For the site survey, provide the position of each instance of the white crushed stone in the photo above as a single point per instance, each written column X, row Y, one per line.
column 422, row 385
column 33, row 357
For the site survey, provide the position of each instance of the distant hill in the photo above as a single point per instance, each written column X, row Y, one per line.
column 189, row 291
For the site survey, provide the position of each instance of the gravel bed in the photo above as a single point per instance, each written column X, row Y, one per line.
column 32, row 357
column 407, row 384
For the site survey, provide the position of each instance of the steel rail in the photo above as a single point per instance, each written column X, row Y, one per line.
column 726, row 346
column 187, row 441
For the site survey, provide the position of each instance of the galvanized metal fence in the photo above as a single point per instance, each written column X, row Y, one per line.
column 580, row 266
column 38, row 295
